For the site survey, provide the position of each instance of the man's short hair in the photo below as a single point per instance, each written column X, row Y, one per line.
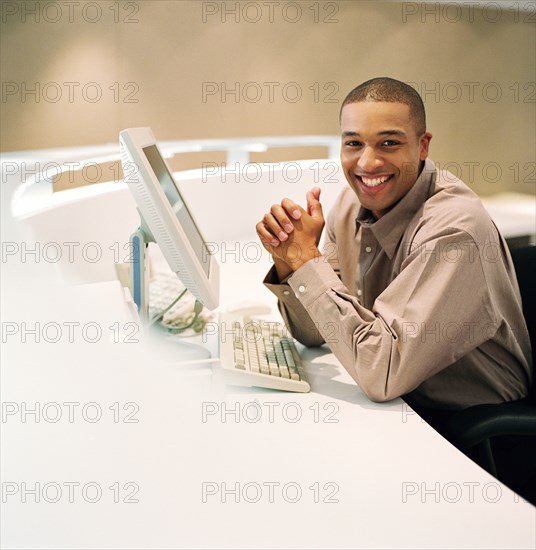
column 391, row 91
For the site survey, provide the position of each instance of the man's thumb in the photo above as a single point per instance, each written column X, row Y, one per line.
column 314, row 207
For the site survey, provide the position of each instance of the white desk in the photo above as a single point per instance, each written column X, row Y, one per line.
column 382, row 478
column 393, row 481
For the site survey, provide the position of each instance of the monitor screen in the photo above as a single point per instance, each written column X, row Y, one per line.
column 179, row 208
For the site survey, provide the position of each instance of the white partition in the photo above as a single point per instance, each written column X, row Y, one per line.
column 240, row 195
column 91, row 225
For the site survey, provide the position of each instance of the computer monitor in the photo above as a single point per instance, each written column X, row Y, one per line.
column 166, row 217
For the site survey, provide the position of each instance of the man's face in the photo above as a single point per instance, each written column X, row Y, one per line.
column 381, row 152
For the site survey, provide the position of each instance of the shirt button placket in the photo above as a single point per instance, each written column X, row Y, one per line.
column 365, row 259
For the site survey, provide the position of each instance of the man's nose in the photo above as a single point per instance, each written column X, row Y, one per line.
column 369, row 160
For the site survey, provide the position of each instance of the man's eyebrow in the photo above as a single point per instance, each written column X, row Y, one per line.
column 382, row 133
column 392, row 133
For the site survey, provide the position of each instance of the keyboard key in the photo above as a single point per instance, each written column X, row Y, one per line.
column 290, row 358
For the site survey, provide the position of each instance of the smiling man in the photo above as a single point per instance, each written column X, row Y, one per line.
column 415, row 291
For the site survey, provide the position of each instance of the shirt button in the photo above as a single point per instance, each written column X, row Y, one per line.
column 359, row 292
column 301, row 288
column 368, row 249
column 286, row 292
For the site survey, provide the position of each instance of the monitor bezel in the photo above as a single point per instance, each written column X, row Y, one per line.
column 158, row 214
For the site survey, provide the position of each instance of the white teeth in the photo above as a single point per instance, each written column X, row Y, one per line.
column 374, row 182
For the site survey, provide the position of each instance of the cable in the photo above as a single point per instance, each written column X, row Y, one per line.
column 198, row 308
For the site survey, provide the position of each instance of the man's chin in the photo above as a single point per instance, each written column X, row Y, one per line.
column 367, row 201
column 378, row 207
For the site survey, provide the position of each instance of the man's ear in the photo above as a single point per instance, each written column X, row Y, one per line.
column 424, row 144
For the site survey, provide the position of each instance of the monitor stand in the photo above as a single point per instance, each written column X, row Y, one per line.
column 139, row 281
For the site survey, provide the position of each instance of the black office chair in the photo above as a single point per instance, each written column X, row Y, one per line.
column 502, row 438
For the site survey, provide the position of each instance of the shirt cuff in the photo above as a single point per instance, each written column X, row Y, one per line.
column 312, row 279
column 280, row 288
column 273, row 279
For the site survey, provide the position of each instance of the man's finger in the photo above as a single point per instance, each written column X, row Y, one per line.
column 283, row 222
column 294, row 210
column 265, row 236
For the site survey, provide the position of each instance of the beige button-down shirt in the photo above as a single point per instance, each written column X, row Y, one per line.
column 423, row 301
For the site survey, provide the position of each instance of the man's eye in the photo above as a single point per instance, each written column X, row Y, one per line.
column 390, row 142
column 353, row 144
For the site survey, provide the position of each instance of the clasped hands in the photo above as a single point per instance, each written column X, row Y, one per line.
column 291, row 234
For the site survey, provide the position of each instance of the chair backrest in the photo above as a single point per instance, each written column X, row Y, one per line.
column 524, row 259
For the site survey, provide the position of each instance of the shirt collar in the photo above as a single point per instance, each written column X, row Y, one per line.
column 388, row 230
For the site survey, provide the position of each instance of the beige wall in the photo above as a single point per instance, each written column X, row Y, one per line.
column 164, row 59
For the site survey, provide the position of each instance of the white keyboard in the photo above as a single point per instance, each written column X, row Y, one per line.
column 255, row 352
column 162, row 291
